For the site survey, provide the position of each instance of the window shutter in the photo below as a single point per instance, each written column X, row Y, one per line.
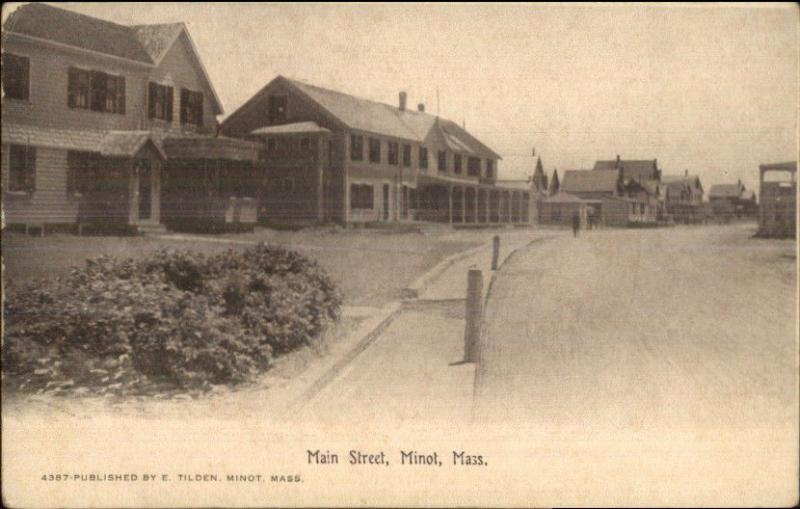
column 151, row 103
column 25, row 69
column 30, row 169
column 184, row 105
column 71, row 92
column 169, row 98
column 199, row 109
column 121, row 94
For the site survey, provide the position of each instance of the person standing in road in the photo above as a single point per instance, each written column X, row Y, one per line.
column 576, row 224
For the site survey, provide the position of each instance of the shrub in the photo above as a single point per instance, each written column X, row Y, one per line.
column 176, row 318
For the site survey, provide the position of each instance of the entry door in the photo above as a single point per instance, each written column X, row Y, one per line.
column 385, row 202
column 145, row 173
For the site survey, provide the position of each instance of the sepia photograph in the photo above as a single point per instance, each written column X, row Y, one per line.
column 400, row 255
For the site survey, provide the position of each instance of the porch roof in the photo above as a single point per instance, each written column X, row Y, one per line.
column 107, row 143
column 209, row 147
column 455, row 181
column 294, row 128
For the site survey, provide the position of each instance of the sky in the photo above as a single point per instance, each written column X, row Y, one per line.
column 708, row 89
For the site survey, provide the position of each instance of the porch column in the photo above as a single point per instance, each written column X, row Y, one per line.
column 488, row 206
column 450, row 204
column 463, row 205
column 476, row 205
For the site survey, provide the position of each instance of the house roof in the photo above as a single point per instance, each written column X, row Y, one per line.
column 631, row 168
column 383, row 119
column 562, row 197
column 725, row 191
column 107, row 143
column 295, row 128
column 524, row 185
column 787, row 166
column 585, row 181
column 144, row 44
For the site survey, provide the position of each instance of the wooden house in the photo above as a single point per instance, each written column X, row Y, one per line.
column 105, row 123
column 777, row 216
column 333, row 157
column 683, row 198
column 615, row 200
column 732, row 201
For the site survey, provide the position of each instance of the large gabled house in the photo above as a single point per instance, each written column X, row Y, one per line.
column 105, row 123
column 683, row 198
column 729, row 201
column 333, row 157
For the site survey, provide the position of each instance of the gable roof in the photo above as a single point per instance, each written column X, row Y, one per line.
column 631, row 168
column 586, row 181
column 144, row 44
column 380, row 118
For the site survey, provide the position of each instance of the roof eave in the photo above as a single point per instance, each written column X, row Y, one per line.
column 69, row 47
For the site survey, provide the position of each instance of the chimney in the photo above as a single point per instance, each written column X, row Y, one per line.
column 402, row 101
column 421, row 108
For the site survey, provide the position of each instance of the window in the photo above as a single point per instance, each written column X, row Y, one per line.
column 362, row 196
column 159, row 103
column 457, row 163
column 442, row 160
column 356, row 147
column 96, row 91
column 191, row 107
column 489, row 169
column 80, row 172
column 474, row 167
column 277, row 108
column 393, row 153
column 16, row 76
column 406, row 155
column 374, row 150
column 423, row 157
column 22, row 169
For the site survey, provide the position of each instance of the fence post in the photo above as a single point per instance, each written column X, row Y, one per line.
column 495, row 251
column 474, row 313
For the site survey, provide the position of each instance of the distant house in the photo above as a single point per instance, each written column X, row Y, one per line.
column 555, row 183
column 113, row 124
column 614, row 199
column 777, row 215
column 683, row 198
column 560, row 209
column 729, row 201
column 638, row 170
column 331, row 156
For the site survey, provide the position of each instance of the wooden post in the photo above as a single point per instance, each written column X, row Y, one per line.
column 474, row 313
column 495, row 251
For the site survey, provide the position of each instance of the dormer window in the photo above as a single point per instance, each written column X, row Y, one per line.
column 191, row 107
column 16, row 76
column 442, row 160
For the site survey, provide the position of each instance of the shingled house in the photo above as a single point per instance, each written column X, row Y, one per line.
column 683, row 198
column 729, row 201
column 611, row 199
column 330, row 156
column 105, row 123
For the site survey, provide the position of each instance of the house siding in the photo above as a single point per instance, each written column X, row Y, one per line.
column 49, row 202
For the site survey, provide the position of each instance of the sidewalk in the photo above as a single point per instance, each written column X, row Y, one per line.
column 413, row 370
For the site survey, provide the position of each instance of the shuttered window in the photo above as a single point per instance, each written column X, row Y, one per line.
column 374, row 150
column 159, row 102
column 191, row 107
column 356, row 147
column 16, row 76
column 393, row 153
column 423, row 157
column 22, row 169
column 406, row 155
column 474, row 167
column 362, row 196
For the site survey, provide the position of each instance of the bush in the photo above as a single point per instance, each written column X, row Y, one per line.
column 176, row 319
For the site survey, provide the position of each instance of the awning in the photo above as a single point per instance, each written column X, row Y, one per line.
column 127, row 144
column 294, row 128
column 210, row 147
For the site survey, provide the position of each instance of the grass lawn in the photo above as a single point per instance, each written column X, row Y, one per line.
column 371, row 267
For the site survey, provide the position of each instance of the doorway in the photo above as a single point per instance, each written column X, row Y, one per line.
column 145, row 172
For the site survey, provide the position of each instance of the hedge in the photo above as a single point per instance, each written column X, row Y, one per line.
column 175, row 320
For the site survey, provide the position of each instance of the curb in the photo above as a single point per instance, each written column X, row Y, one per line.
column 419, row 285
column 384, row 318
